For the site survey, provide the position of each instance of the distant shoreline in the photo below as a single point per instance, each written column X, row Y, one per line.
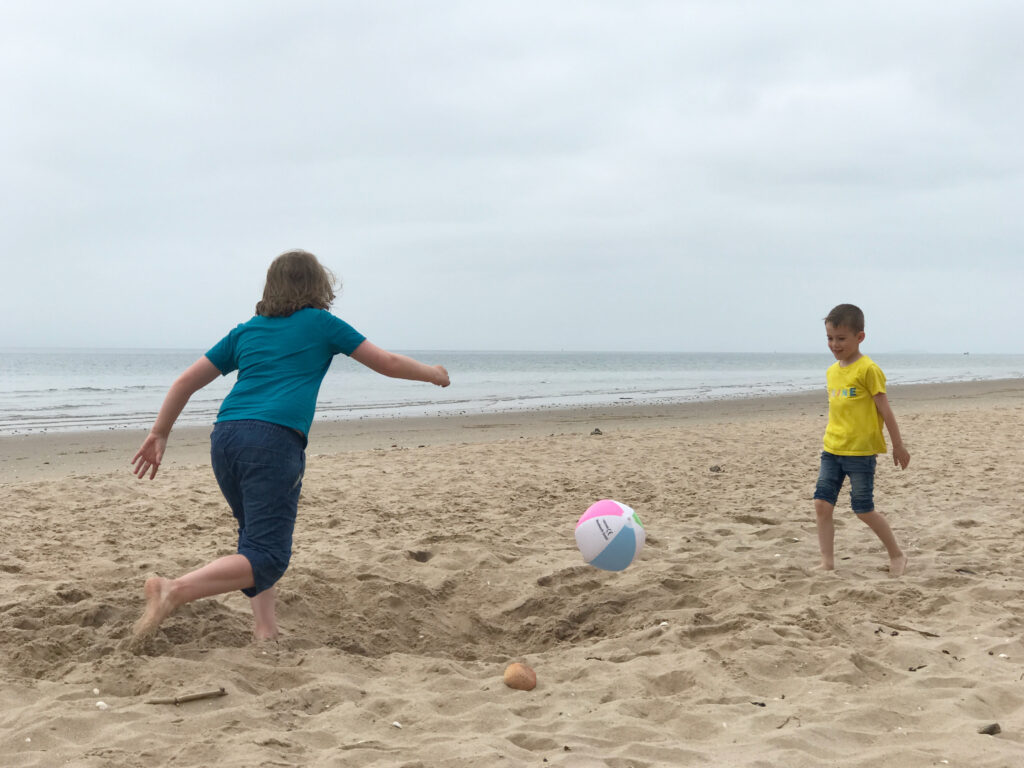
column 59, row 454
column 443, row 350
column 121, row 392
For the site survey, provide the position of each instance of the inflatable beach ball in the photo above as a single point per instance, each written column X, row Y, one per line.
column 609, row 535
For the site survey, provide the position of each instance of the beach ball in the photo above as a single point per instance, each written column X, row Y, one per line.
column 609, row 535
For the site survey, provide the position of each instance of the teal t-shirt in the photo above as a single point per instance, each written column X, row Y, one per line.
column 281, row 362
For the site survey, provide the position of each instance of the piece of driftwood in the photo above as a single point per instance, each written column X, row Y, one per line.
column 904, row 628
column 189, row 697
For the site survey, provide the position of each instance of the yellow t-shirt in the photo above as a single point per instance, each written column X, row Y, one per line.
column 854, row 424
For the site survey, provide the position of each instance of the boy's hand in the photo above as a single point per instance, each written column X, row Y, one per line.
column 900, row 456
column 441, row 376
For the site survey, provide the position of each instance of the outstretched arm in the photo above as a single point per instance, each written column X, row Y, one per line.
column 900, row 455
column 399, row 366
column 195, row 377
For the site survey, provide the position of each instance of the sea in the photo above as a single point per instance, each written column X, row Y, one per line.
column 87, row 389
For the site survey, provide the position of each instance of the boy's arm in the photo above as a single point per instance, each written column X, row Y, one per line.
column 195, row 377
column 900, row 455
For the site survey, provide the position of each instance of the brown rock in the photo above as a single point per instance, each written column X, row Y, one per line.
column 520, row 677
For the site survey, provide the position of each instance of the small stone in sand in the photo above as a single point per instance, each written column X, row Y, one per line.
column 520, row 677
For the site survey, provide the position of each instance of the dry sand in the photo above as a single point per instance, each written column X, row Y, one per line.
column 431, row 553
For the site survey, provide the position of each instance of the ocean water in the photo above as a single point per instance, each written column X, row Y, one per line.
column 61, row 390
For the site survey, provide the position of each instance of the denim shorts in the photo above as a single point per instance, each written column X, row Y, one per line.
column 860, row 470
column 259, row 468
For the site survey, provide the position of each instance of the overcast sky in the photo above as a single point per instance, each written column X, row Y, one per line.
column 693, row 176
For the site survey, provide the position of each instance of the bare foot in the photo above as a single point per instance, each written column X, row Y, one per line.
column 158, row 606
column 826, row 567
column 898, row 566
column 264, row 619
column 263, row 634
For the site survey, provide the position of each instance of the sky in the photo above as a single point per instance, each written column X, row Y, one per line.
column 631, row 175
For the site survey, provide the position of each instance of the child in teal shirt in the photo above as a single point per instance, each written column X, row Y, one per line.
column 258, row 443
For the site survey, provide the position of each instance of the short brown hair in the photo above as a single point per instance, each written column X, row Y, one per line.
column 296, row 280
column 846, row 315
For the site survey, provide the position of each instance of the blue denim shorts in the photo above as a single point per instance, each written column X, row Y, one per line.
column 259, row 468
column 860, row 470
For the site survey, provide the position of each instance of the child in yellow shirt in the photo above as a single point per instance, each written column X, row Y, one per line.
column 857, row 409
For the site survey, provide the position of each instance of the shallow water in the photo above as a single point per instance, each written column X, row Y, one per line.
column 48, row 390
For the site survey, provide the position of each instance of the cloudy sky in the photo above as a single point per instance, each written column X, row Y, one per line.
column 694, row 176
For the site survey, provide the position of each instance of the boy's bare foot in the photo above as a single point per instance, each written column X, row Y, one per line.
column 825, row 567
column 158, row 606
column 898, row 566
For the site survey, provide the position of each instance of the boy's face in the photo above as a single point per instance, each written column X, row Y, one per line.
column 844, row 342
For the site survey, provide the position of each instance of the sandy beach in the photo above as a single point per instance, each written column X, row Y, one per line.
column 431, row 553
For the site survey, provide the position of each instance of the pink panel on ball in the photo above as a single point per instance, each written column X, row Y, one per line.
column 600, row 508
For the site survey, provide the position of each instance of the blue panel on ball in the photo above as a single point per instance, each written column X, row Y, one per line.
column 619, row 553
